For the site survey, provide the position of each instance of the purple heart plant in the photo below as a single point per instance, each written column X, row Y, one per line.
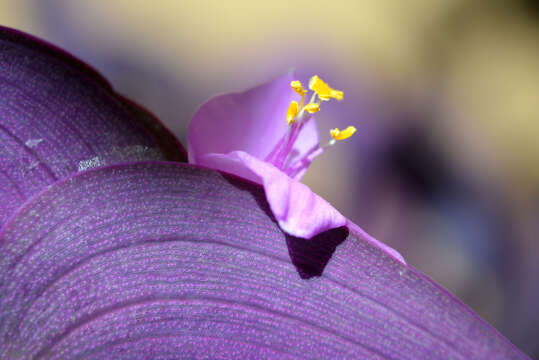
column 112, row 247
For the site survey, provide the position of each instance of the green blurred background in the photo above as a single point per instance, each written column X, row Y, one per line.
column 445, row 96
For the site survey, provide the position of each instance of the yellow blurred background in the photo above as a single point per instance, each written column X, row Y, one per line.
column 445, row 96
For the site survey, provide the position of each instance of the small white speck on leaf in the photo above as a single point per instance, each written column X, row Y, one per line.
column 401, row 272
column 33, row 165
column 90, row 163
column 33, row 142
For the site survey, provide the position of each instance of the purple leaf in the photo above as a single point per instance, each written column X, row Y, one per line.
column 58, row 116
column 163, row 260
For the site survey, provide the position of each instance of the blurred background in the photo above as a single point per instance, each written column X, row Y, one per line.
column 445, row 96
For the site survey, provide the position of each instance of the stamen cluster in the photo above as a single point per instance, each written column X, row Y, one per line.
column 297, row 116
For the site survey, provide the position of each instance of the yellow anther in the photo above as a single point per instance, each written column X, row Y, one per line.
column 323, row 90
column 292, row 112
column 312, row 108
column 296, row 85
column 344, row 134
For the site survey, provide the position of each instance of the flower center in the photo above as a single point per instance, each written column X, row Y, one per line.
column 297, row 116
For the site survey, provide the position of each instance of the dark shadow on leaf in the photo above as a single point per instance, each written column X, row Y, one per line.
column 257, row 192
column 310, row 256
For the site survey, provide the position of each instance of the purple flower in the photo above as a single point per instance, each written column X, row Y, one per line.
column 246, row 134
column 108, row 251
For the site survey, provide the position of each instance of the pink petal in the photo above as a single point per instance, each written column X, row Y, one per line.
column 252, row 121
column 298, row 210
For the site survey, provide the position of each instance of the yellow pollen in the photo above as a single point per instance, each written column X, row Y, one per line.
column 323, row 90
column 312, row 107
column 292, row 112
column 296, row 85
column 344, row 134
